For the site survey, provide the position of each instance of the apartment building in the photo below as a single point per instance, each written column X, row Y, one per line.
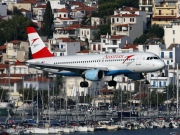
column 64, row 46
column 127, row 24
column 16, row 50
column 147, row 6
column 131, row 10
column 62, row 19
column 165, row 13
column 171, row 33
column 3, row 9
column 111, row 43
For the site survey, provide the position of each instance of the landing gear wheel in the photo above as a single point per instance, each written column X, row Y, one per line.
column 84, row 84
column 112, row 83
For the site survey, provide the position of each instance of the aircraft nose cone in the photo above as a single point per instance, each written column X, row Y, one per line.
column 161, row 64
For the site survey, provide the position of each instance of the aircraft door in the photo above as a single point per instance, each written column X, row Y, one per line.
column 138, row 60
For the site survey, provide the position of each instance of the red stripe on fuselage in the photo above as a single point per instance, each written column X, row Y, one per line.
column 42, row 53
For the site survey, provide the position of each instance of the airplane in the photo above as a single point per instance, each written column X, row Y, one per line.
column 93, row 67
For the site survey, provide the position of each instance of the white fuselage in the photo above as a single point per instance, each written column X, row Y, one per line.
column 116, row 63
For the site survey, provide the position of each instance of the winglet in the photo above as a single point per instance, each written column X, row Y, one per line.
column 38, row 48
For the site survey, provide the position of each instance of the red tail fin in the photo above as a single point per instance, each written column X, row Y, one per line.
column 38, row 48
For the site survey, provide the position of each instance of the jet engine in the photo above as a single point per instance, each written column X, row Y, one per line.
column 135, row 76
column 94, row 75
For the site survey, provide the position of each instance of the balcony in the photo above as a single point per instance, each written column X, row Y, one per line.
column 165, row 6
column 58, row 49
column 11, row 56
column 165, row 14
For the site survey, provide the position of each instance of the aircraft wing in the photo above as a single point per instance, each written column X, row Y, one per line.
column 76, row 69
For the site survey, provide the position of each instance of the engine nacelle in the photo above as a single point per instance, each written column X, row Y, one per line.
column 94, row 75
column 135, row 76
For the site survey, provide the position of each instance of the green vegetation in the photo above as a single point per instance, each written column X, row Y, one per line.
column 156, row 31
column 15, row 28
column 47, row 29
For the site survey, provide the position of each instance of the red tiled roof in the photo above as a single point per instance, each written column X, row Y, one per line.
column 125, row 15
column 135, row 47
column 39, row 79
column 130, row 9
column 6, row 81
column 63, row 10
column 104, row 90
column 113, row 36
column 15, row 41
column 24, row 10
column 3, row 47
column 28, row 1
column 86, row 8
column 66, row 39
column 75, row 26
column 172, row 45
column 65, row 18
column 140, row 96
column 41, row 6
column 3, row 66
column 83, row 51
column 14, row 75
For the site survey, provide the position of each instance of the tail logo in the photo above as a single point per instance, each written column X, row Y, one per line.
column 34, row 41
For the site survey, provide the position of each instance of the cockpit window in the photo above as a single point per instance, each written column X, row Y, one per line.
column 150, row 58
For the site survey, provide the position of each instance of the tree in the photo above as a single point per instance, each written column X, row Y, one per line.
column 47, row 29
column 14, row 28
column 156, row 31
column 16, row 11
column 141, row 40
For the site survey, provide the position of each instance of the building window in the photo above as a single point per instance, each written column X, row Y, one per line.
column 94, row 47
column 104, row 49
column 131, row 19
column 159, row 84
column 99, row 47
column 124, row 19
column 159, row 12
column 167, row 62
column 130, row 28
column 154, row 83
column 150, row 9
column 117, row 19
column 104, row 41
column 164, row 83
column 162, row 54
column 170, row 55
column 143, row 8
column 173, row 40
column 173, row 31
column 112, row 20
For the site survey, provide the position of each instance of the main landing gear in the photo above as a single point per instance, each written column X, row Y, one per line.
column 112, row 83
column 84, row 84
